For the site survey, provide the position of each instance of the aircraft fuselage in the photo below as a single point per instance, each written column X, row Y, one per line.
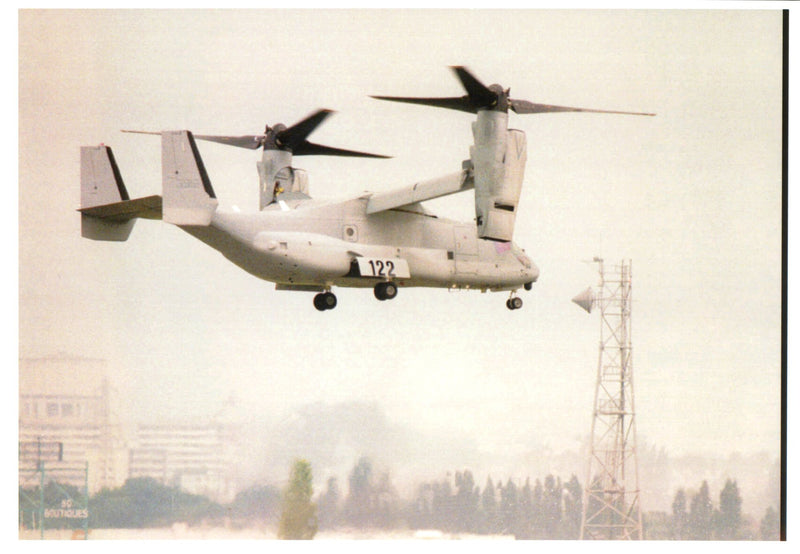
column 315, row 244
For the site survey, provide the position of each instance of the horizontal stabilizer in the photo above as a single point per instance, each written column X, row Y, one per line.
column 419, row 192
column 148, row 207
column 106, row 230
column 114, row 222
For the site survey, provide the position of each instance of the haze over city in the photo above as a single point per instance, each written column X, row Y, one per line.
column 691, row 196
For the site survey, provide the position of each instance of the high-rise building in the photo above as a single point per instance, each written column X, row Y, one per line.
column 66, row 401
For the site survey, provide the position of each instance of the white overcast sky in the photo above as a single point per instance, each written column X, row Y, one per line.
column 692, row 196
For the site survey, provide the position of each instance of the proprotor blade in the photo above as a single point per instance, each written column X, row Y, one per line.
column 460, row 103
column 311, row 149
column 291, row 139
column 244, row 142
column 494, row 97
column 251, row 142
column 294, row 139
column 525, row 107
column 142, row 132
column 295, row 136
column 480, row 96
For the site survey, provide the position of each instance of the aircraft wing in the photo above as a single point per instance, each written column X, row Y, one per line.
column 419, row 192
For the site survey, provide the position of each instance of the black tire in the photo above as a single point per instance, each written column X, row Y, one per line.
column 325, row 301
column 516, row 303
column 389, row 290
column 385, row 290
column 329, row 300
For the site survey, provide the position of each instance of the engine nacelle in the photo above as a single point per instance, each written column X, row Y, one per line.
column 277, row 176
column 498, row 158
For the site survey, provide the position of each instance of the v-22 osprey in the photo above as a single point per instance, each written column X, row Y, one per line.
column 377, row 240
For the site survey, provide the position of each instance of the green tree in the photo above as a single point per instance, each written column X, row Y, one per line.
column 525, row 511
column 421, row 510
column 328, row 505
column 360, row 503
column 509, row 508
column 537, row 507
column 680, row 518
column 730, row 512
column 257, row 503
column 144, row 502
column 552, row 506
column 387, row 502
column 491, row 524
column 701, row 513
column 443, row 503
column 769, row 528
column 573, row 508
column 466, row 501
column 299, row 514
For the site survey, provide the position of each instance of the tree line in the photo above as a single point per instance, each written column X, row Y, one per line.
column 548, row 508
column 696, row 517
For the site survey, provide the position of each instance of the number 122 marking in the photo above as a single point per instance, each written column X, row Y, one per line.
column 381, row 268
column 386, row 268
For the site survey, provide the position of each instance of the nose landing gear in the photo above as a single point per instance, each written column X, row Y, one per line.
column 514, row 302
column 325, row 301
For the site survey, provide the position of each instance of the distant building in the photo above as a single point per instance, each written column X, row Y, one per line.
column 67, row 401
column 194, row 457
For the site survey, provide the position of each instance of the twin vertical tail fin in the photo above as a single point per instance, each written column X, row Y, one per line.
column 108, row 213
column 101, row 182
column 189, row 199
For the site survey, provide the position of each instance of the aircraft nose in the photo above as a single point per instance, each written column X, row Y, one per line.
column 533, row 272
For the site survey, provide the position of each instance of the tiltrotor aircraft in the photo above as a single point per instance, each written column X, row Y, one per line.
column 378, row 240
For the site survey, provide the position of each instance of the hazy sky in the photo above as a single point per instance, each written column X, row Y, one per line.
column 692, row 196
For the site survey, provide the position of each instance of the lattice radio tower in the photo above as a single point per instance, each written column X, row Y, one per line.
column 611, row 508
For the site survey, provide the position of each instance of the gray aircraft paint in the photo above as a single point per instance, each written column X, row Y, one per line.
column 301, row 243
column 306, row 243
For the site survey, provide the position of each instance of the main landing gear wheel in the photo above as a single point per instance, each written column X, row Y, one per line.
column 514, row 303
column 385, row 290
column 325, row 301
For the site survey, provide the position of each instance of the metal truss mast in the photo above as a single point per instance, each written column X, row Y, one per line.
column 611, row 508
